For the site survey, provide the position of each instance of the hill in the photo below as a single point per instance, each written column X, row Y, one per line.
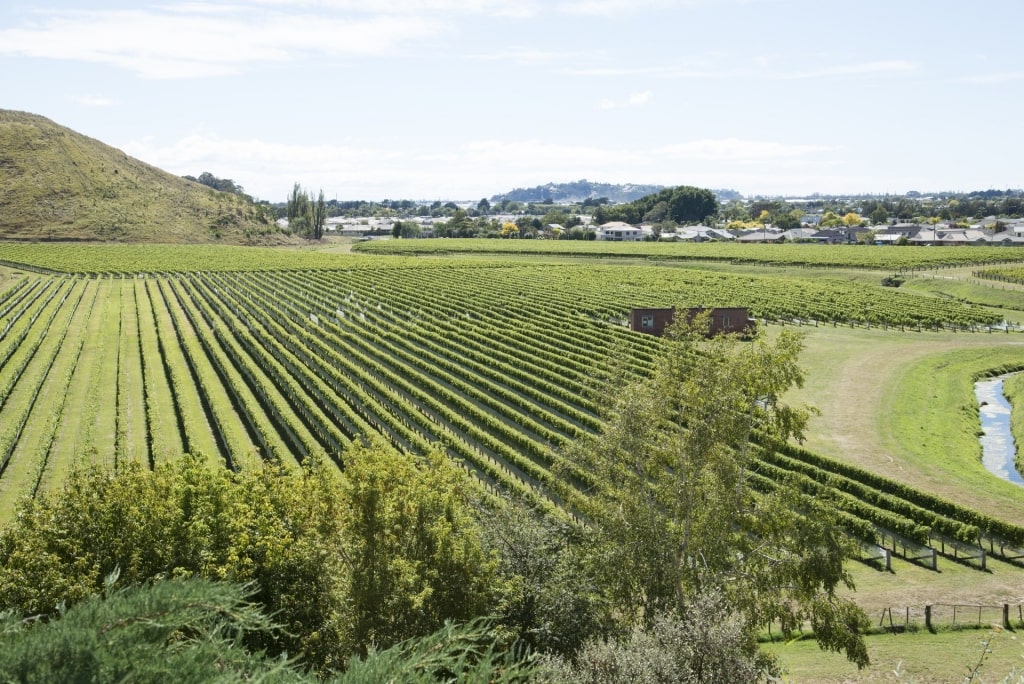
column 578, row 191
column 56, row 184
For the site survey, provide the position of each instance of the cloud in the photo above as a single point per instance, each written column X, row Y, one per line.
column 634, row 100
column 93, row 100
column 483, row 167
column 194, row 41
column 609, row 8
column 895, row 66
column 529, row 55
column 736, row 150
column 706, row 69
column 1000, row 77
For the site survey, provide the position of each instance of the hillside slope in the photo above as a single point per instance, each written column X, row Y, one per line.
column 56, row 184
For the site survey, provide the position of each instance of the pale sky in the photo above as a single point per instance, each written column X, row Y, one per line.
column 463, row 99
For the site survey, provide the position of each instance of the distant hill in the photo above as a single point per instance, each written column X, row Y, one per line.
column 56, row 184
column 578, row 191
column 565, row 193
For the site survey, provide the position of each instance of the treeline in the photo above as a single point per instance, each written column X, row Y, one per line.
column 683, row 205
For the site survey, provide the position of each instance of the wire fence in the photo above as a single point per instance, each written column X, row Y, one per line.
column 936, row 615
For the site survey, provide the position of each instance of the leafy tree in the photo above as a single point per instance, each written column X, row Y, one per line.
column 549, row 596
column 659, row 212
column 318, row 216
column 483, row 206
column 386, row 551
column 830, row 220
column 178, row 630
column 465, row 652
column 706, row 644
column 879, row 216
column 297, row 204
column 509, row 230
column 852, row 219
column 675, row 504
column 280, row 530
column 413, row 546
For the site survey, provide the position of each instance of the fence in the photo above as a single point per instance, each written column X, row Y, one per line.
column 935, row 615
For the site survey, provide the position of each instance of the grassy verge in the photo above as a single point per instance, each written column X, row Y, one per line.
column 920, row 657
column 1013, row 388
column 986, row 293
column 903, row 405
column 929, row 418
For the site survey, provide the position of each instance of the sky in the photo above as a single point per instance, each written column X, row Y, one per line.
column 464, row 99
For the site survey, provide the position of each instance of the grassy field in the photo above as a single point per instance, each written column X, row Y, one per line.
column 921, row 658
column 902, row 405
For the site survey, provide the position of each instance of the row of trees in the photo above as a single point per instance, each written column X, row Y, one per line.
column 681, row 553
column 305, row 216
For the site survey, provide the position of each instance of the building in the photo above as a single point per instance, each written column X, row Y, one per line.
column 618, row 231
column 722, row 320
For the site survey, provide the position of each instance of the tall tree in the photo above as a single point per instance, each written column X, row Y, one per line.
column 318, row 216
column 676, row 505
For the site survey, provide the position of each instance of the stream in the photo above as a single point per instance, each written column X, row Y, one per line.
column 997, row 447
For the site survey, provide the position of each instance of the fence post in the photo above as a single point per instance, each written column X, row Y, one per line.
column 1006, row 616
column 928, row 618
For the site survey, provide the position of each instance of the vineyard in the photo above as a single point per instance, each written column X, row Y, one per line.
column 883, row 258
column 1010, row 274
column 496, row 361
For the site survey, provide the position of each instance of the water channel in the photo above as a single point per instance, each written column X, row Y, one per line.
column 997, row 447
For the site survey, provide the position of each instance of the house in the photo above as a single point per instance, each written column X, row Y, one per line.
column 762, row 235
column 699, row 234
column 799, row 235
column 618, row 231
column 722, row 320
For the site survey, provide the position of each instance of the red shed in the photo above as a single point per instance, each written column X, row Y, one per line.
column 735, row 319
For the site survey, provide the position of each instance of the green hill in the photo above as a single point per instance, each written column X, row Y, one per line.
column 56, row 184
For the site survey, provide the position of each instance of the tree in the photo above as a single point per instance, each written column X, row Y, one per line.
column 175, row 630
column 297, row 204
column 483, row 206
column 509, row 230
column 414, row 547
column 280, row 530
column 879, row 216
column 852, row 219
column 675, row 500
column 386, row 551
column 318, row 216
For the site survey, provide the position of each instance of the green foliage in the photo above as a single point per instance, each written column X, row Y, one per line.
column 386, row 552
column 415, row 553
column 549, row 595
column 178, row 630
column 684, row 204
column 454, row 653
column 675, row 456
column 704, row 644
column 279, row 530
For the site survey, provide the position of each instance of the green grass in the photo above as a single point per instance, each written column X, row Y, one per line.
column 985, row 293
column 921, row 658
column 903, row 405
column 930, row 420
column 61, row 185
column 1013, row 388
column 132, row 442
